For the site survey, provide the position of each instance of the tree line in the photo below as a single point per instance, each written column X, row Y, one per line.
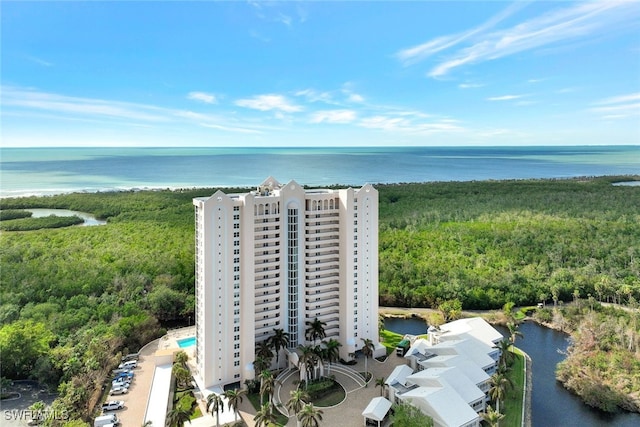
column 87, row 294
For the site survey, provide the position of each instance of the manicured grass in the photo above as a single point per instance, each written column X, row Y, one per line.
column 254, row 398
column 512, row 406
column 390, row 339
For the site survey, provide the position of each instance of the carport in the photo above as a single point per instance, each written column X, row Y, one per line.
column 376, row 410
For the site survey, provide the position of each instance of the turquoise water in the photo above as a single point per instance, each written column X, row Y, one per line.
column 187, row 342
column 25, row 171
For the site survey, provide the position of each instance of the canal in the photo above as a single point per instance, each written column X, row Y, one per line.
column 552, row 404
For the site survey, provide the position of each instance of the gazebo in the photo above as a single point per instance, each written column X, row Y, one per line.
column 376, row 410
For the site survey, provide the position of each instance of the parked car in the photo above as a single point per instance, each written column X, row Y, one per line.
column 132, row 356
column 120, row 371
column 125, row 375
column 118, row 390
column 113, row 405
column 131, row 364
column 124, row 384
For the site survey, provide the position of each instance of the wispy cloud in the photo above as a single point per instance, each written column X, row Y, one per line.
column 618, row 107
column 38, row 61
column 470, row 85
column 580, row 21
column 333, row 116
column 406, row 125
column 422, row 51
column 33, row 103
column 505, row 97
column 269, row 102
column 619, row 99
column 312, row 95
column 51, row 102
column 207, row 98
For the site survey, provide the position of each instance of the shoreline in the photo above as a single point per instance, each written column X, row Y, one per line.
column 632, row 180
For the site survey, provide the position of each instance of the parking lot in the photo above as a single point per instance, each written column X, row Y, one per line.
column 135, row 400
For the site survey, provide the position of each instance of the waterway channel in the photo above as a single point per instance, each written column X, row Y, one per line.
column 89, row 220
column 552, row 404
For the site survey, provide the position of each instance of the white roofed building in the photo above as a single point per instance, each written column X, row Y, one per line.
column 450, row 372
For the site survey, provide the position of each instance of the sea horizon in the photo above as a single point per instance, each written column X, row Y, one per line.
column 47, row 170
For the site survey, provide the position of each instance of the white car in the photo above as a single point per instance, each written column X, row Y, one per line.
column 131, row 364
column 113, row 405
column 118, row 390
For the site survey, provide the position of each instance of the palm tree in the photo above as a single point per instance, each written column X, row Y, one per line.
column 267, row 383
column 308, row 359
column 492, row 417
column 178, row 416
column 296, row 402
column 505, row 355
column 234, row 399
column 265, row 416
column 310, row 416
column 215, row 404
column 382, row 383
column 513, row 332
column 367, row 350
column 260, row 364
column 280, row 339
column 316, row 330
column 332, row 351
column 499, row 385
column 263, row 349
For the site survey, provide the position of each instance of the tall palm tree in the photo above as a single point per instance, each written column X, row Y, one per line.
column 260, row 364
column 178, row 416
column 316, row 330
column 309, row 359
column 381, row 382
column 332, row 351
column 263, row 349
column 491, row 416
column 505, row 355
column 296, row 402
column 367, row 350
column 499, row 385
column 279, row 340
column 234, row 399
column 265, row 416
column 215, row 405
column 513, row 332
column 267, row 383
column 310, row 416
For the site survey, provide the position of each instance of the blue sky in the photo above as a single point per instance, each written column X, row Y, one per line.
column 155, row 73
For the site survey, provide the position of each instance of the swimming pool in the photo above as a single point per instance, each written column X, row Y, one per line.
column 187, row 342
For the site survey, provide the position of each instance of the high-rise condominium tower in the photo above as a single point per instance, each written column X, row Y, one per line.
column 279, row 257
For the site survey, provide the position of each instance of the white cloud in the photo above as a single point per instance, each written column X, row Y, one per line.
column 619, row 99
column 61, row 104
column 33, row 103
column 578, row 21
column 312, row 95
column 418, row 53
column 469, row 85
column 618, row 107
column 333, row 116
column 354, row 97
column 269, row 102
column 403, row 124
column 38, row 61
column 505, row 97
column 207, row 98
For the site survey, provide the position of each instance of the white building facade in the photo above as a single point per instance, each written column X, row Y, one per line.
column 279, row 257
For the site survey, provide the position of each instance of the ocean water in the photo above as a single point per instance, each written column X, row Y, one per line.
column 26, row 171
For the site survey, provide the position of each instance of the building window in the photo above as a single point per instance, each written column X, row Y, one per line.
column 236, row 234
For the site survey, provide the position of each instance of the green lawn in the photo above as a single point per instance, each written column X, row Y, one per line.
column 512, row 408
column 390, row 340
column 254, row 398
